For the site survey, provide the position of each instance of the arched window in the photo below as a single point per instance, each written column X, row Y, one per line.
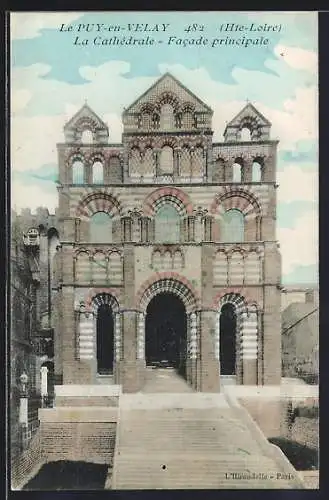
column 185, row 162
column 167, row 224
column 147, row 120
column 167, row 260
column 87, row 137
column 83, row 267
column 134, row 162
column 101, row 228
column 237, row 172
column 167, row 160
column 187, row 120
column 256, row 172
column 98, row 176
column 167, row 117
column 157, row 261
column 245, row 135
column 233, row 226
column 78, row 172
column 178, row 260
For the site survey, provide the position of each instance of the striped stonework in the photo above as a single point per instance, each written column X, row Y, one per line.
column 97, row 202
column 141, row 336
column 98, row 267
column 169, row 282
column 86, row 337
column 168, row 259
column 118, row 341
column 236, row 268
column 249, row 334
column 178, row 198
column 239, row 198
column 193, row 340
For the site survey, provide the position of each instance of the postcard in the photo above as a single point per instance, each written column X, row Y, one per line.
column 163, row 256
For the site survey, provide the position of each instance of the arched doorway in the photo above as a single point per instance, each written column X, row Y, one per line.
column 227, row 328
column 105, row 339
column 165, row 332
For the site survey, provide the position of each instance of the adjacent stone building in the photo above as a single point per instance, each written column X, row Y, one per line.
column 33, row 238
column 168, row 246
column 300, row 334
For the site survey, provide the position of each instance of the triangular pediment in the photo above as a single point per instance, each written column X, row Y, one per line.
column 168, row 83
column 249, row 112
column 85, row 114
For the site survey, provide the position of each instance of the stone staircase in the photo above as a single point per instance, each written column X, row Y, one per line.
column 181, row 440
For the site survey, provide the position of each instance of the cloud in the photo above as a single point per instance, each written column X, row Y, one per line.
column 298, row 58
column 297, row 184
column 33, row 196
column 299, row 245
column 302, row 275
column 28, row 25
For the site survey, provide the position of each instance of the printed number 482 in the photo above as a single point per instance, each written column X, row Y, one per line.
column 194, row 27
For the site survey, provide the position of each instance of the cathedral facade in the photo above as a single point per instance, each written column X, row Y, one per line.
column 168, row 253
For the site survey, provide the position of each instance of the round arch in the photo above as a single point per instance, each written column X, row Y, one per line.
column 168, row 283
column 241, row 199
column 98, row 202
column 161, row 196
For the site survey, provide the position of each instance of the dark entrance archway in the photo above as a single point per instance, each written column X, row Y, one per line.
column 227, row 328
column 165, row 332
column 105, row 339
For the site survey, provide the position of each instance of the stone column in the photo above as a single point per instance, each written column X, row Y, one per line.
column 209, row 380
column 132, row 368
column 44, row 381
column 75, row 371
column 272, row 335
column 209, row 367
column 228, row 171
column 249, row 348
column 192, row 350
column 118, row 346
column 247, row 171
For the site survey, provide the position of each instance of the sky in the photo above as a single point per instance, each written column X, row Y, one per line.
column 54, row 70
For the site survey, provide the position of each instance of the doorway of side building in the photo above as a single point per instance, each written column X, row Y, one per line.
column 165, row 332
column 105, row 339
column 227, row 328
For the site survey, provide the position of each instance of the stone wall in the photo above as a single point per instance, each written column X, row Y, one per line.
column 26, row 465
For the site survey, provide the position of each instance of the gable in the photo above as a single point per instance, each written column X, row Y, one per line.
column 249, row 112
column 85, row 115
column 168, row 84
